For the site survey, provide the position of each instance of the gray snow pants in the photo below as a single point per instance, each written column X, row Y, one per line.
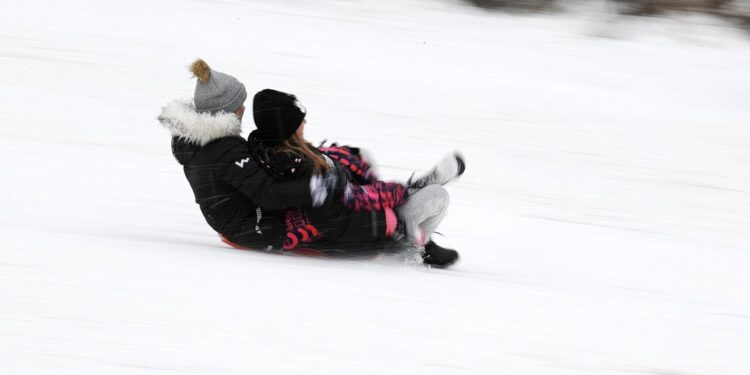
column 422, row 213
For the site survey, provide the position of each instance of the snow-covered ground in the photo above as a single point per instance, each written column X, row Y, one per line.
column 604, row 218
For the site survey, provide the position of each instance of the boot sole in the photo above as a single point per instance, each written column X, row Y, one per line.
column 443, row 266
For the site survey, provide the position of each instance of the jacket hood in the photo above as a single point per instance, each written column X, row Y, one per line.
column 185, row 123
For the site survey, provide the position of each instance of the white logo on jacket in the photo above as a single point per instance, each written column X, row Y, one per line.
column 242, row 162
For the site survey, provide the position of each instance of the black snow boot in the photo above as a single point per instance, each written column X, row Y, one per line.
column 438, row 257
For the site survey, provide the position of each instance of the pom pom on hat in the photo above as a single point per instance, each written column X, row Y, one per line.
column 200, row 70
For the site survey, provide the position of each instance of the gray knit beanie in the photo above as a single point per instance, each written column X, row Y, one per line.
column 216, row 91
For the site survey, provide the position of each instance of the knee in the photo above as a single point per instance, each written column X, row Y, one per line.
column 438, row 194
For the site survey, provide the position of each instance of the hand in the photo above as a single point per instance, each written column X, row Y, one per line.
column 322, row 185
column 328, row 185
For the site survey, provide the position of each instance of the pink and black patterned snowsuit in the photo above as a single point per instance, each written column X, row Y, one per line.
column 365, row 213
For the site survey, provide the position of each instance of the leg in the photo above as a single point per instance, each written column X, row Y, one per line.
column 447, row 169
column 422, row 213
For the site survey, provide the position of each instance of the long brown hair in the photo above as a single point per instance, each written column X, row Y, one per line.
column 296, row 144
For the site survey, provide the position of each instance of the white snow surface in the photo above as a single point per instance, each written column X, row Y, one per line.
column 603, row 220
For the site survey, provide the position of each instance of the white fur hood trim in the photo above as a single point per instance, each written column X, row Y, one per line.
column 182, row 120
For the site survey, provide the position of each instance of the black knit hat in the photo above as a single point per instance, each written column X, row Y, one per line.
column 277, row 116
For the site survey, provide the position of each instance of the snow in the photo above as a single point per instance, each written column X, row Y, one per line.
column 603, row 220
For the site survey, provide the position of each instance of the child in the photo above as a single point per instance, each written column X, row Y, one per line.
column 369, row 210
column 227, row 185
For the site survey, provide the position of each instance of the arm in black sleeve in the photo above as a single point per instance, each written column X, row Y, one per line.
column 259, row 186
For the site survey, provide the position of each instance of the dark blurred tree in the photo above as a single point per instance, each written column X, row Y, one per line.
column 734, row 10
column 645, row 7
column 531, row 5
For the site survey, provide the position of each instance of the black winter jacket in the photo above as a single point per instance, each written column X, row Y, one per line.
column 228, row 185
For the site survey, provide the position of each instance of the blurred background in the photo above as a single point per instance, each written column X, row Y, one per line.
column 603, row 220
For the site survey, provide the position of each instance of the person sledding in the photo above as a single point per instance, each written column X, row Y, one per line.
column 250, row 206
column 368, row 209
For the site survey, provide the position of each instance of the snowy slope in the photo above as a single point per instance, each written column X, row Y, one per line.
column 603, row 220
